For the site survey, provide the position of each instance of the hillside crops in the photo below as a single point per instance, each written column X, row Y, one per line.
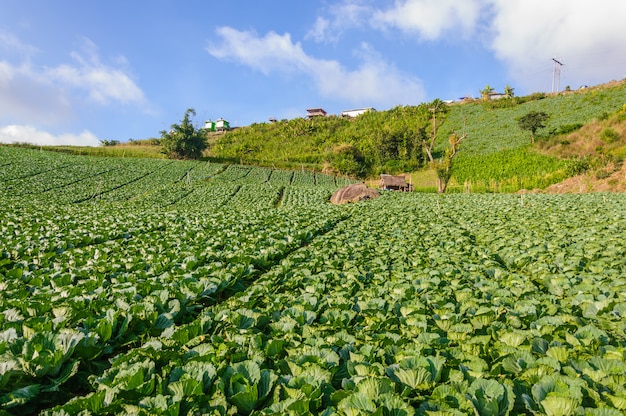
column 494, row 130
column 201, row 288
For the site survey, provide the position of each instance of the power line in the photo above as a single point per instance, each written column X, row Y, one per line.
column 556, row 73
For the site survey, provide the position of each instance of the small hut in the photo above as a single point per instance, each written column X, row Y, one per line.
column 394, row 183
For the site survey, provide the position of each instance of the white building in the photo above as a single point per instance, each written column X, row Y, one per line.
column 356, row 112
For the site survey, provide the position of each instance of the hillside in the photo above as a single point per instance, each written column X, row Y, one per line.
column 497, row 155
column 585, row 134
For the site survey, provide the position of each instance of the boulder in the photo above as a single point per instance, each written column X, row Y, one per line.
column 353, row 193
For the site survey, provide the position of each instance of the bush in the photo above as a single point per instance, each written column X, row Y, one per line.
column 347, row 159
column 577, row 166
column 566, row 129
column 609, row 135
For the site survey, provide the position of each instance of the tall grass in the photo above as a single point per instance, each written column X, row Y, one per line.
column 139, row 151
column 508, row 171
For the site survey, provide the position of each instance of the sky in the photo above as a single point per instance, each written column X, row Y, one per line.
column 77, row 72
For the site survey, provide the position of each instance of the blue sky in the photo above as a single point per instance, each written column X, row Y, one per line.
column 77, row 72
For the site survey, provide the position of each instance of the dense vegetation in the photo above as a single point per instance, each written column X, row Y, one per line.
column 391, row 141
column 586, row 130
column 184, row 140
column 377, row 141
column 158, row 287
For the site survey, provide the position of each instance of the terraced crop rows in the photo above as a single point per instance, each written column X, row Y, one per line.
column 234, row 290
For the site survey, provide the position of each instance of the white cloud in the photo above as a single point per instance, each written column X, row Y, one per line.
column 29, row 134
column 266, row 54
column 341, row 17
column 587, row 36
column 430, row 19
column 26, row 95
column 374, row 82
column 9, row 43
column 32, row 93
column 104, row 84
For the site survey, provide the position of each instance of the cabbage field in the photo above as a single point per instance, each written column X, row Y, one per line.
column 155, row 287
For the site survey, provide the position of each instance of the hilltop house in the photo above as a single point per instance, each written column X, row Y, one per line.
column 496, row 95
column 356, row 112
column 218, row 125
column 315, row 112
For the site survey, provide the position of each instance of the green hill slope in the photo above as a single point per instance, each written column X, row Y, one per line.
column 497, row 155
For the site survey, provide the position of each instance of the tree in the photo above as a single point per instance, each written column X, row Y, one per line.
column 509, row 91
column 436, row 107
column 184, row 141
column 486, row 91
column 532, row 122
column 443, row 166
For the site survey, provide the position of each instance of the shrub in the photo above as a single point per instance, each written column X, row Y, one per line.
column 577, row 166
column 566, row 129
column 609, row 135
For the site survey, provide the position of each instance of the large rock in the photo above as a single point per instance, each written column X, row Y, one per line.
column 353, row 193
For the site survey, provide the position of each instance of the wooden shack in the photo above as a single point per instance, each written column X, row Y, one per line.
column 394, row 183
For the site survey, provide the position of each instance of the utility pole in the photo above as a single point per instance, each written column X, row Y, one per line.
column 556, row 74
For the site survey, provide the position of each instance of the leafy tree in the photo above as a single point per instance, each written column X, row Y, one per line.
column 347, row 159
column 532, row 122
column 106, row 143
column 184, row 141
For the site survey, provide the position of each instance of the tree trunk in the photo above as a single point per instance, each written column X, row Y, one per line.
column 442, row 185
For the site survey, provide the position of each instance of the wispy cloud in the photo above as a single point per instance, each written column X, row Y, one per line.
column 340, row 18
column 10, row 43
column 29, row 134
column 104, row 84
column 373, row 82
column 33, row 93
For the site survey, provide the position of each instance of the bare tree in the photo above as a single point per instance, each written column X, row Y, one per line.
column 436, row 107
column 444, row 165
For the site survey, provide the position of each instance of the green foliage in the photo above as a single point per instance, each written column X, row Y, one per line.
column 371, row 143
column 532, row 122
column 609, row 135
column 510, row 170
column 250, row 294
column 106, row 142
column 566, row 129
column 394, row 141
column 491, row 131
column 347, row 159
column 486, row 91
column 578, row 166
column 184, row 141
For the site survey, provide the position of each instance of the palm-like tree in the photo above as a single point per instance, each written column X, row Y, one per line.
column 486, row 91
column 509, row 91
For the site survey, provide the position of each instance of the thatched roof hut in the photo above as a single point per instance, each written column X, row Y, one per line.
column 394, row 183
